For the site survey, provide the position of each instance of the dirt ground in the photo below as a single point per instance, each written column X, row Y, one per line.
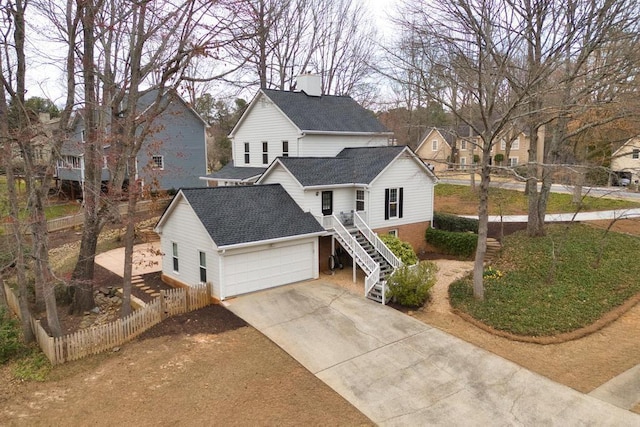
column 203, row 368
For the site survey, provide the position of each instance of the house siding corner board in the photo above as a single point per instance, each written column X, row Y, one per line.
column 264, row 123
column 189, row 244
column 331, row 145
column 417, row 195
column 412, row 233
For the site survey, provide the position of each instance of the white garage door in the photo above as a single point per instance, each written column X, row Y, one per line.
column 267, row 268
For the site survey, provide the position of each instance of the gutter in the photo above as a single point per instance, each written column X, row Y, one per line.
column 333, row 132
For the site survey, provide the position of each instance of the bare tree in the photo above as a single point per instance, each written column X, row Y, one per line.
column 519, row 61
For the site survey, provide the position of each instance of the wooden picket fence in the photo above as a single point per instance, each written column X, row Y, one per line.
column 98, row 339
column 72, row 221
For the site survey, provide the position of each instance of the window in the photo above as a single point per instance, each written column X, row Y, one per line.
column 265, row 153
column 515, row 145
column 635, row 154
column 503, row 145
column 203, row 266
column 175, row 256
column 434, row 145
column 285, row 148
column 246, row 153
column 359, row 200
column 513, row 161
column 157, row 162
column 393, row 233
column 82, row 135
column 463, row 144
column 393, row 203
column 463, row 162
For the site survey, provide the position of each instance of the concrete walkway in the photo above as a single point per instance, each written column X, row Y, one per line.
column 566, row 217
column 400, row 371
column 147, row 258
column 622, row 391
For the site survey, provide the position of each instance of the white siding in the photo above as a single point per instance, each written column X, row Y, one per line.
column 264, row 122
column 278, row 175
column 181, row 220
column 331, row 145
column 417, row 194
column 343, row 200
column 623, row 159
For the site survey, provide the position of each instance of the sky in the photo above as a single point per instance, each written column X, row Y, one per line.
column 44, row 79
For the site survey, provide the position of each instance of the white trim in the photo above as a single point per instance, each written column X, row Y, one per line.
column 336, row 132
column 222, row 249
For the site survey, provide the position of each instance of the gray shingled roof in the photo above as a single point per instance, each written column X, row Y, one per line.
column 350, row 166
column 231, row 172
column 325, row 113
column 234, row 215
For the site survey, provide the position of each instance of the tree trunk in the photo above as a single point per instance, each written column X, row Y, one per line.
column 25, row 314
column 129, row 238
column 82, row 277
column 483, row 228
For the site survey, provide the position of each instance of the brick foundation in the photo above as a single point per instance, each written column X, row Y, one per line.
column 412, row 233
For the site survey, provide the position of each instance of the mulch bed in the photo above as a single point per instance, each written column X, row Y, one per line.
column 212, row 319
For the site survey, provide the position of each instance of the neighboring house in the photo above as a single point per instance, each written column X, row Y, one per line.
column 41, row 144
column 437, row 148
column 240, row 239
column 174, row 155
column 296, row 124
column 625, row 163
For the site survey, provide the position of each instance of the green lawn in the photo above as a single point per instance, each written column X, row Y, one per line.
column 538, row 296
column 52, row 211
column 462, row 200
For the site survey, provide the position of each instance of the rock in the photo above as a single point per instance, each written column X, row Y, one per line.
column 116, row 349
column 95, row 310
column 104, row 291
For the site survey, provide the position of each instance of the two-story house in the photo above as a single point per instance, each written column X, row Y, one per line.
column 302, row 123
column 173, row 155
column 448, row 149
column 625, row 163
column 330, row 180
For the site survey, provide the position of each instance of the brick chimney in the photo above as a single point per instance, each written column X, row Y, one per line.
column 310, row 84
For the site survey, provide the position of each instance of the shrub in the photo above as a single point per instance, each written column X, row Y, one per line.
column 33, row 367
column 400, row 249
column 10, row 343
column 448, row 222
column 410, row 285
column 499, row 158
column 452, row 243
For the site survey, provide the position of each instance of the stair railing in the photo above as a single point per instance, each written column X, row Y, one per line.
column 352, row 246
column 375, row 241
column 371, row 280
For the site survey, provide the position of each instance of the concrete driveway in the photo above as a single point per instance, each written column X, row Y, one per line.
column 399, row 371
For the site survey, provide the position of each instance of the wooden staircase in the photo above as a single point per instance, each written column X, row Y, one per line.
column 386, row 269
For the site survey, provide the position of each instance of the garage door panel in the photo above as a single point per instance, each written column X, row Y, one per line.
column 267, row 268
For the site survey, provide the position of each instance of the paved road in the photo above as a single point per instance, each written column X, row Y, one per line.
column 399, row 371
column 613, row 192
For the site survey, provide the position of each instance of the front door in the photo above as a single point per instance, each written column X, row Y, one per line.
column 327, row 202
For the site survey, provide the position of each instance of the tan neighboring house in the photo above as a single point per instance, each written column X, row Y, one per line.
column 437, row 146
column 625, row 162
